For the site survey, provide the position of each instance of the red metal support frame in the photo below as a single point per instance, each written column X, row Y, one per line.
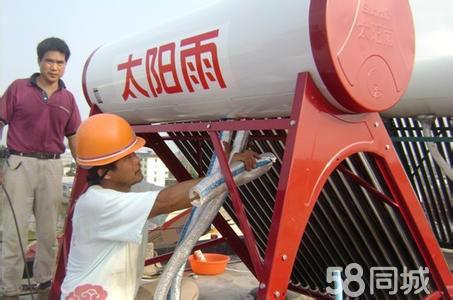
column 319, row 139
column 371, row 189
column 217, row 126
column 238, row 207
column 157, row 143
column 153, row 140
column 416, row 221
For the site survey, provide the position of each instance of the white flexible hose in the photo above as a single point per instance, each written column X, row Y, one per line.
column 214, row 185
column 212, row 207
column 183, row 250
column 239, row 143
column 175, row 288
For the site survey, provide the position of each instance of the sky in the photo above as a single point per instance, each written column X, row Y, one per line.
column 83, row 24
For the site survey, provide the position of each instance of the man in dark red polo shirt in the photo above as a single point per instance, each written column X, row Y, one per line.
column 40, row 112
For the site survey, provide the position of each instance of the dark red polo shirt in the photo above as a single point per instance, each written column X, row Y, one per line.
column 37, row 123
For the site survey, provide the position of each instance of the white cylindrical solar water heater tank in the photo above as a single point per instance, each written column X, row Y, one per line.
column 430, row 90
column 236, row 59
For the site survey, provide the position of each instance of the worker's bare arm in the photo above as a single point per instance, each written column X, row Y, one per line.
column 173, row 198
column 176, row 197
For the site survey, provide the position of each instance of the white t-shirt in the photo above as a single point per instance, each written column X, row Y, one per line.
column 106, row 244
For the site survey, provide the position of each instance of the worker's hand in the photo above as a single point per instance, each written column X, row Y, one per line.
column 248, row 157
column 214, row 185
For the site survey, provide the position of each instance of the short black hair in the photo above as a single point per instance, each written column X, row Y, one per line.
column 93, row 178
column 53, row 44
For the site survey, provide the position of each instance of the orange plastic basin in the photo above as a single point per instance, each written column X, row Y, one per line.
column 214, row 264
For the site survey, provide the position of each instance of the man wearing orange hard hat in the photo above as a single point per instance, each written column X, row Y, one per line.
column 108, row 218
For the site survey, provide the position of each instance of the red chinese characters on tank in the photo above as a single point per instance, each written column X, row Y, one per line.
column 198, row 61
column 88, row 292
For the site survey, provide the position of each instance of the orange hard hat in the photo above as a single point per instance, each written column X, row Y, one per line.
column 104, row 138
